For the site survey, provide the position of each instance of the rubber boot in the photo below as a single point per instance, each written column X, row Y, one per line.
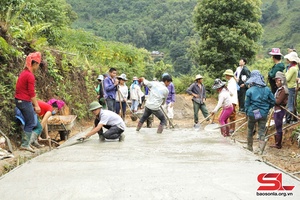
column 225, row 131
column 249, row 144
column 34, row 141
column 261, row 145
column 26, row 142
column 232, row 128
column 139, row 126
column 160, row 129
column 278, row 139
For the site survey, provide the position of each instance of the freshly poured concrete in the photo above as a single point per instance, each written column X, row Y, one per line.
column 178, row 164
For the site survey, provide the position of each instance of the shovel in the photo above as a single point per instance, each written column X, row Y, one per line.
column 231, row 123
column 198, row 126
column 170, row 122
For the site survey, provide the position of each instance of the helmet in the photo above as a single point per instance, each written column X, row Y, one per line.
column 218, row 84
column 94, row 105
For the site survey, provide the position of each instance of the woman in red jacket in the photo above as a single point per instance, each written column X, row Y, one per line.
column 25, row 97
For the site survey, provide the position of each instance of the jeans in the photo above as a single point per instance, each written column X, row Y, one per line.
column 203, row 109
column 123, row 104
column 111, row 104
column 27, row 111
column 278, row 117
column 158, row 113
column 290, row 104
column 261, row 127
column 134, row 105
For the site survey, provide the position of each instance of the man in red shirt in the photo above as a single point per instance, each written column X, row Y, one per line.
column 25, row 97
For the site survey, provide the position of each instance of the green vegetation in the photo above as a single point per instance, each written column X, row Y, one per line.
column 71, row 59
column 227, row 37
column 167, row 26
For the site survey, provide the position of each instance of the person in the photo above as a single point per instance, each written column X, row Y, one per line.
column 25, row 97
column 99, row 91
column 197, row 90
column 281, row 98
column 121, row 96
column 232, row 87
column 110, row 87
column 224, row 101
column 135, row 94
column 169, row 104
column 105, row 118
column 291, row 77
column 278, row 66
column 158, row 94
column 46, row 111
column 259, row 100
column 242, row 73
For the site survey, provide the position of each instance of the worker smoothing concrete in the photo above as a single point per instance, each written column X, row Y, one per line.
column 107, row 119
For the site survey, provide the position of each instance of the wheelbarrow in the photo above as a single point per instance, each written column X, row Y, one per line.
column 62, row 124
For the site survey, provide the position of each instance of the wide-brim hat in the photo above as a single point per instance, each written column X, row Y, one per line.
column 198, row 76
column 122, row 76
column 256, row 78
column 100, row 77
column 293, row 56
column 94, row 105
column 228, row 72
column 275, row 51
column 218, row 84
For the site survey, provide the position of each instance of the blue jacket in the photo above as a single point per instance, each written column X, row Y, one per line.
column 259, row 98
column 110, row 88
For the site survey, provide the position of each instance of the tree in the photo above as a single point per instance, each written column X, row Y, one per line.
column 229, row 30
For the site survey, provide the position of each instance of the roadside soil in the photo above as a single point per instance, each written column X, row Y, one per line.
column 287, row 158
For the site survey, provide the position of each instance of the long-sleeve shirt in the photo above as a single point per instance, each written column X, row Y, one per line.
column 122, row 96
column 110, row 88
column 158, row 94
column 277, row 67
column 171, row 95
column 281, row 98
column 136, row 93
column 291, row 76
column 232, row 87
column 224, row 100
column 25, row 86
column 199, row 90
column 259, row 98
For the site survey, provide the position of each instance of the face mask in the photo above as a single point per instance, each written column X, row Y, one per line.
column 53, row 112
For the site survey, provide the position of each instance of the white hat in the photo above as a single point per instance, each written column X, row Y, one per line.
column 198, row 76
column 100, row 77
column 123, row 76
column 293, row 56
column 228, row 72
column 135, row 78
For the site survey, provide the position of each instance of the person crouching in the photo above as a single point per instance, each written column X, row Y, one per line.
column 224, row 101
column 107, row 119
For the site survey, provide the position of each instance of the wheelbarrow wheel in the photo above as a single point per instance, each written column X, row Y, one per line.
column 64, row 135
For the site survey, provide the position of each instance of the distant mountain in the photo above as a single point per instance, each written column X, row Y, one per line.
column 167, row 25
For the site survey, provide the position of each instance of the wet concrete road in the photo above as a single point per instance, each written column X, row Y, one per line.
column 178, row 164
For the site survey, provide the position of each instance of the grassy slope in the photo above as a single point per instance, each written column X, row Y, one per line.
column 276, row 31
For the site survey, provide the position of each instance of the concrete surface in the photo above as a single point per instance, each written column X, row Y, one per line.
column 178, row 164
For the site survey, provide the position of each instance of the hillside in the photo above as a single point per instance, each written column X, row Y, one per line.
column 168, row 25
